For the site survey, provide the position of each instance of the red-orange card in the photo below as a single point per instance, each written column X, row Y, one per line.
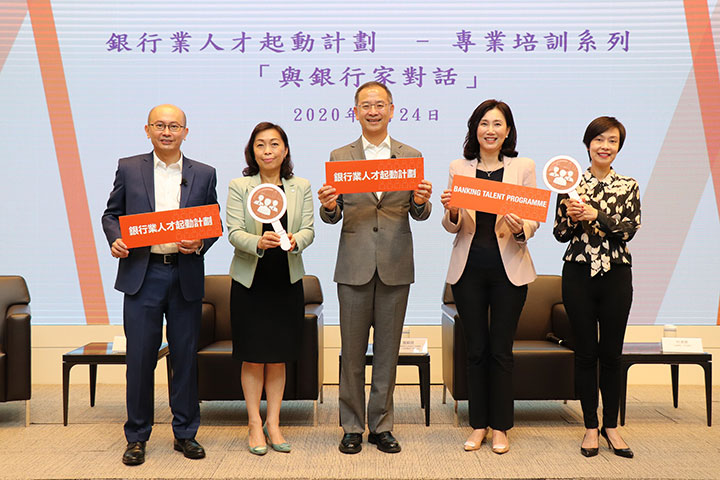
column 359, row 176
column 169, row 226
column 501, row 198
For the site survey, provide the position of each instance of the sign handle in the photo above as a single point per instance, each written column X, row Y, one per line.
column 574, row 195
column 284, row 240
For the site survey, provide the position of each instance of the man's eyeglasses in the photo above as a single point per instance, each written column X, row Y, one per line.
column 159, row 126
column 379, row 106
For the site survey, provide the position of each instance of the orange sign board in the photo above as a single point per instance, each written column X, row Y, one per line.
column 501, row 198
column 359, row 176
column 169, row 226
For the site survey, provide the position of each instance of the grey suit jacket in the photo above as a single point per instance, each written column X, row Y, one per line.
column 375, row 233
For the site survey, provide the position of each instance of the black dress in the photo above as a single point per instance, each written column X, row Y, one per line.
column 267, row 317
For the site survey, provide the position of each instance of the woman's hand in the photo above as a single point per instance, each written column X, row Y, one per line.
column 269, row 239
column 292, row 241
column 514, row 223
column 579, row 211
column 445, row 199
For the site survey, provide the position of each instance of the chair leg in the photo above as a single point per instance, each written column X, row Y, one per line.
column 315, row 411
column 322, row 387
column 27, row 413
column 444, row 393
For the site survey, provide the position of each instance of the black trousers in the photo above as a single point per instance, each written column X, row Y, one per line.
column 489, row 344
column 602, row 301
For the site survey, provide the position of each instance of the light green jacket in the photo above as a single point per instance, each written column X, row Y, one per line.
column 244, row 231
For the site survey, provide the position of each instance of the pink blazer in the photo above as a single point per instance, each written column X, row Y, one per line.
column 515, row 255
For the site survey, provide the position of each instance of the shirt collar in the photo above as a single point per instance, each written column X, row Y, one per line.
column 157, row 161
column 366, row 144
column 591, row 179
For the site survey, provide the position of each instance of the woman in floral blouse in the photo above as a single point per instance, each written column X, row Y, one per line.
column 597, row 278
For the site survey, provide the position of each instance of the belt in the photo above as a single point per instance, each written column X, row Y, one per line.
column 164, row 258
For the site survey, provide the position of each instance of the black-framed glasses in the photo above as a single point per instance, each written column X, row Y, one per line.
column 160, row 126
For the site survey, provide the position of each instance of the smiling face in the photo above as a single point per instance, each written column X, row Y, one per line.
column 270, row 151
column 604, row 148
column 374, row 111
column 166, row 143
column 492, row 131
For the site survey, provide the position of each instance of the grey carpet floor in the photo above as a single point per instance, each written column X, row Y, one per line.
column 669, row 443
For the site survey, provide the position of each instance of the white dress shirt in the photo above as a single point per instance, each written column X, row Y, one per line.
column 376, row 152
column 167, row 194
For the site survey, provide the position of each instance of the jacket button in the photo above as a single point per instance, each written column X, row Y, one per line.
column 501, row 235
column 379, row 206
column 374, row 229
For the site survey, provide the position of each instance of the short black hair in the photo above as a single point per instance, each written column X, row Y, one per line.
column 286, row 169
column 471, row 147
column 603, row 124
column 372, row 84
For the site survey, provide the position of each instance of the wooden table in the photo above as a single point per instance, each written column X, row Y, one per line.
column 94, row 354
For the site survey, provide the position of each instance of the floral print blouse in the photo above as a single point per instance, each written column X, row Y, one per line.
column 603, row 241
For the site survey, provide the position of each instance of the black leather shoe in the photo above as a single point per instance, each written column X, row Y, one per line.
column 385, row 442
column 351, row 443
column 134, row 454
column 190, row 448
column 590, row 451
column 620, row 452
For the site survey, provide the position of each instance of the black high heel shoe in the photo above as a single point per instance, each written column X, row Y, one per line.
column 620, row 452
column 589, row 452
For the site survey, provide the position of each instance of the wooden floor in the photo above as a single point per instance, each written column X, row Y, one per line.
column 669, row 443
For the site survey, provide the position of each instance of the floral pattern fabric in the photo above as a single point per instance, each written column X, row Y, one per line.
column 603, row 241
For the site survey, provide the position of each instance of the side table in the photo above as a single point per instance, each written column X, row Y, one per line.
column 651, row 353
column 420, row 360
column 94, row 354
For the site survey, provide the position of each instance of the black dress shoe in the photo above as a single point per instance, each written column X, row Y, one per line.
column 589, row 452
column 134, row 453
column 351, row 443
column 385, row 442
column 190, row 448
column 620, row 452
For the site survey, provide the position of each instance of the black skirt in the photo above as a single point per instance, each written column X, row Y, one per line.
column 267, row 317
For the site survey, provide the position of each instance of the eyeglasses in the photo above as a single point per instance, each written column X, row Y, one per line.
column 379, row 106
column 160, row 126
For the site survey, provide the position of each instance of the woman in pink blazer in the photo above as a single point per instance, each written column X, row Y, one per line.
column 490, row 268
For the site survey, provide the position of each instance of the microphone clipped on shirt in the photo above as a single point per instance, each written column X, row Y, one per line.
column 183, row 183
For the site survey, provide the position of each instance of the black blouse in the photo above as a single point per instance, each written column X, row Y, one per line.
column 604, row 240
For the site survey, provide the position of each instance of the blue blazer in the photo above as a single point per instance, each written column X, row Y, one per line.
column 134, row 192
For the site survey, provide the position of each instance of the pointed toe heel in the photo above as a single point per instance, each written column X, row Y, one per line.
column 620, row 452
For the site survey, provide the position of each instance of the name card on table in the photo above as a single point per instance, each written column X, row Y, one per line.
column 360, row 176
column 414, row 345
column 682, row 345
column 155, row 228
column 501, row 198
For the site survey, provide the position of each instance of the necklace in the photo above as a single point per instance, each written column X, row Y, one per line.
column 488, row 172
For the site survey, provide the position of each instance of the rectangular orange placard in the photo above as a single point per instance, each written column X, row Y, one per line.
column 497, row 197
column 169, row 226
column 359, row 176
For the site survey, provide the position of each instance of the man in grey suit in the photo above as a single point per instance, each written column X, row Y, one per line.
column 373, row 273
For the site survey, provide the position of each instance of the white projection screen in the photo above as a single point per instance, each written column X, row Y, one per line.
column 77, row 79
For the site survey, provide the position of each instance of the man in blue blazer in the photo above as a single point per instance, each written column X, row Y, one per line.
column 160, row 281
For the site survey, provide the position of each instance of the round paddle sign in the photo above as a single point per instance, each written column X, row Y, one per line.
column 562, row 175
column 267, row 204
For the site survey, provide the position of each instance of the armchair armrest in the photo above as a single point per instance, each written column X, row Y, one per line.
column 17, row 348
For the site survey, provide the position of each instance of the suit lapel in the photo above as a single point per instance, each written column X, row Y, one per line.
column 148, row 176
column 291, row 194
column 188, row 176
column 254, row 182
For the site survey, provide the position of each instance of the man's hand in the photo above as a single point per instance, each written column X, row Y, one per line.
column 118, row 249
column 423, row 192
column 327, row 197
column 188, row 246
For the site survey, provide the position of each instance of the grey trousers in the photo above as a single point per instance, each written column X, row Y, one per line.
column 382, row 307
